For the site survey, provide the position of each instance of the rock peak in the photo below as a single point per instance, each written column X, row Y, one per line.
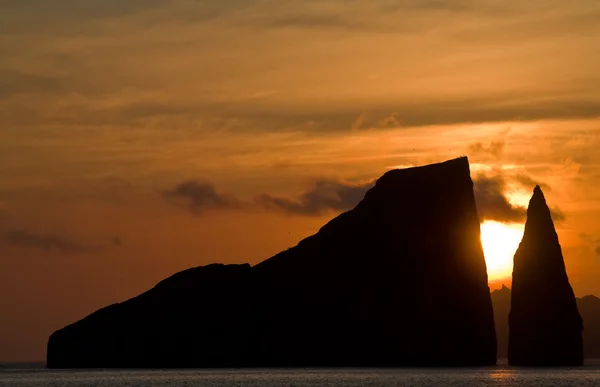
column 539, row 217
column 538, row 196
column 545, row 328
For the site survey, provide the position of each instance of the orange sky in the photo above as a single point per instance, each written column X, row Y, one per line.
column 107, row 106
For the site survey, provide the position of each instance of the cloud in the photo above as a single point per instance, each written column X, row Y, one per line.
column 494, row 149
column 592, row 240
column 138, row 69
column 491, row 203
column 557, row 214
column 18, row 82
column 315, row 21
column 529, row 182
column 200, row 196
column 93, row 9
column 326, row 195
column 596, row 244
column 322, row 197
column 117, row 241
column 53, row 242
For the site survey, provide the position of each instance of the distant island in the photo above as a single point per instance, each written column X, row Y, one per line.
column 400, row 280
column 588, row 306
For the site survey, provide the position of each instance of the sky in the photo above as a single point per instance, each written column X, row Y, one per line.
column 142, row 137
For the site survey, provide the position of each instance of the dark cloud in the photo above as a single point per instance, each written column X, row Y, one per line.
column 596, row 242
column 496, row 148
column 246, row 115
column 66, row 17
column 315, row 21
column 592, row 240
column 95, row 80
column 440, row 5
column 117, row 241
column 557, row 214
column 200, row 196
column 331, row 195
column 322, row 197
column 529, row 182
column 491, row 202
column 53, row 242
column 81, row 9
column 18, row 82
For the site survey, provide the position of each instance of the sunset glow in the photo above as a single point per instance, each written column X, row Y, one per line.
column 500, row 242
column 142, row 138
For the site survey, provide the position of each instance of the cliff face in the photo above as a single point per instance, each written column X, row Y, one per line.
column 399, row 280
column 545, row 327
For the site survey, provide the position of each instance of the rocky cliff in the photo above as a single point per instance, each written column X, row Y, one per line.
column 545, row 328
column 399, row 280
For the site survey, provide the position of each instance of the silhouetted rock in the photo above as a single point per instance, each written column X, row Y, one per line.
column 196, row 317
column 399, row 280
column 501, row 304
column 589, row 308
column 544, row 324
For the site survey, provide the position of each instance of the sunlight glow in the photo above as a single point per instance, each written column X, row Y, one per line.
column 500, row 242
column 519, row 198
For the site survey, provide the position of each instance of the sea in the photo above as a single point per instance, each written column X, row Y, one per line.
column 30, row 375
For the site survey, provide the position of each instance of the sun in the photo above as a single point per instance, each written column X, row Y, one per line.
column 500, row 242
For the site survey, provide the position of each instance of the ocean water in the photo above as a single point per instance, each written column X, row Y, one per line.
column 501, row 375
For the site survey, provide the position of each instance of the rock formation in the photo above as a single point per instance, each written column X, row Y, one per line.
column 195, row 318
column 399, row 280
column 589, row 308
column 545, row 328
column 501, row 304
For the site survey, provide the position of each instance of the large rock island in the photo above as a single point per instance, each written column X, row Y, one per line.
column 399, row 280
column 545, row 328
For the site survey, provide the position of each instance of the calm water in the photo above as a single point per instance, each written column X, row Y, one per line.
column 501, row 375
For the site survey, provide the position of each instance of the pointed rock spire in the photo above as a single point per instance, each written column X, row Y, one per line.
column 545, row 328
